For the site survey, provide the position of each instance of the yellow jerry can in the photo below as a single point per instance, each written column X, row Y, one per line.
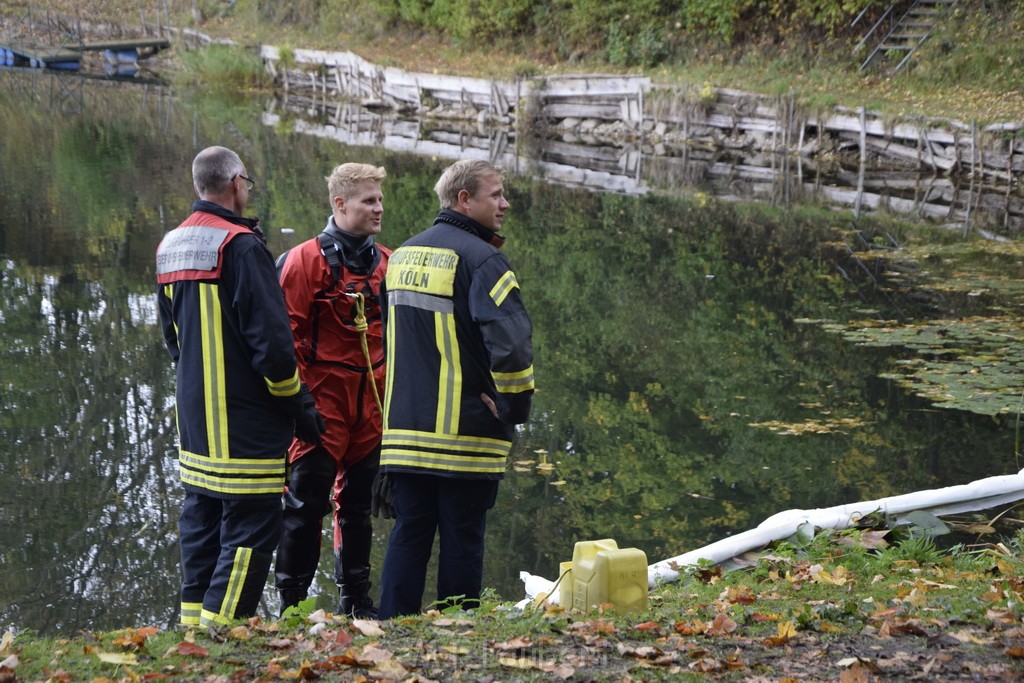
column 600, row 573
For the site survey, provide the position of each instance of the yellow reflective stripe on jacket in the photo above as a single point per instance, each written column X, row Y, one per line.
column 286, row 387
column 449, row 386
column 445, row 463
column 503, row 287
column 214, row 381
column 233, row 475
column 444, row 452
column 232, row 486
column 190, row 612
column 169, row 293
column 448, row 442
column 514, row 382
column 389, row 360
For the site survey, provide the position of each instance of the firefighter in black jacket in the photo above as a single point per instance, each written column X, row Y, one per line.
column 238, row 397
column 460, row 377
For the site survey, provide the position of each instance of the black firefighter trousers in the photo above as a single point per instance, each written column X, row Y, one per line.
column 226, row 549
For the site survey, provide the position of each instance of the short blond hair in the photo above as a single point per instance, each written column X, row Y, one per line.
column 465, row 174
column 344, row 178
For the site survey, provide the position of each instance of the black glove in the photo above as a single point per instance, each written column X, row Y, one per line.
column 309, row 424
column 382, row 502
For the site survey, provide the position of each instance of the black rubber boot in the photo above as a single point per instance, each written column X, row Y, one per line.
column 355, row 600
column 290, row 598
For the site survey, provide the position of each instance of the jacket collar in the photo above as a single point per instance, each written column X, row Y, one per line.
column 464, row 222
column 230, row 216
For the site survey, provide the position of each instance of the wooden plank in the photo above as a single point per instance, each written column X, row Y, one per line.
column 460, row 98
column 740, row 123
column 892, row 149
column 124, row 44
column 608, row 112
column 877, row 128
column 585, row 100
column 44, row 54
column 477, row 86
column 561, row 86
column 402, row 93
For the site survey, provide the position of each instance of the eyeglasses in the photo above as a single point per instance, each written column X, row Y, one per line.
column 249, row 182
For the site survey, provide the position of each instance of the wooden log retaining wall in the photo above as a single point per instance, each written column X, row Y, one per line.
column 626, row 108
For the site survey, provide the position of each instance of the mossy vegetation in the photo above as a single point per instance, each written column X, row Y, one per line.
column 226, row 68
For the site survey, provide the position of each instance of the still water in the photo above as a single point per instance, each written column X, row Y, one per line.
column 694, row 372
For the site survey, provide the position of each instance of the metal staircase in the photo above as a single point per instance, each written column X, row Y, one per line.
column 898, row 36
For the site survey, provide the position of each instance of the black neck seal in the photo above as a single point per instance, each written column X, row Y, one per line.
column 358, row 253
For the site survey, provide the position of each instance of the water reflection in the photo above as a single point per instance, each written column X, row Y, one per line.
column 668, row 337
column 637, row 168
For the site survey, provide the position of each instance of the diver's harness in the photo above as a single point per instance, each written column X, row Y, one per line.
column 329, row 248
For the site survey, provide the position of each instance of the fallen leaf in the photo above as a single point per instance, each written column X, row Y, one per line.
column 371, row 654
column 117, row 657
column 516, row 662
column 342, row 638
column 693, row 628
column 993, row 594
column 318, row 617
column 855, row 674
column 603, row 626
column 708, row 665
column 870, row 539
column 240, row 633
column 368, row 627
column 757, row 616
column 563, row 671
column 187, row 649
column 648, row 626
column 721, row 625
column 1001, row 615
column 390, row 668
column 517, row 643
column 784, row 631
column 280, row 644
column 742, row 595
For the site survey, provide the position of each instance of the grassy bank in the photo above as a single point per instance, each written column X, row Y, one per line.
column 846, row 606
column 969, row 69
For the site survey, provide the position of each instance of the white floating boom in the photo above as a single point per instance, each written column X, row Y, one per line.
column 982, row 494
